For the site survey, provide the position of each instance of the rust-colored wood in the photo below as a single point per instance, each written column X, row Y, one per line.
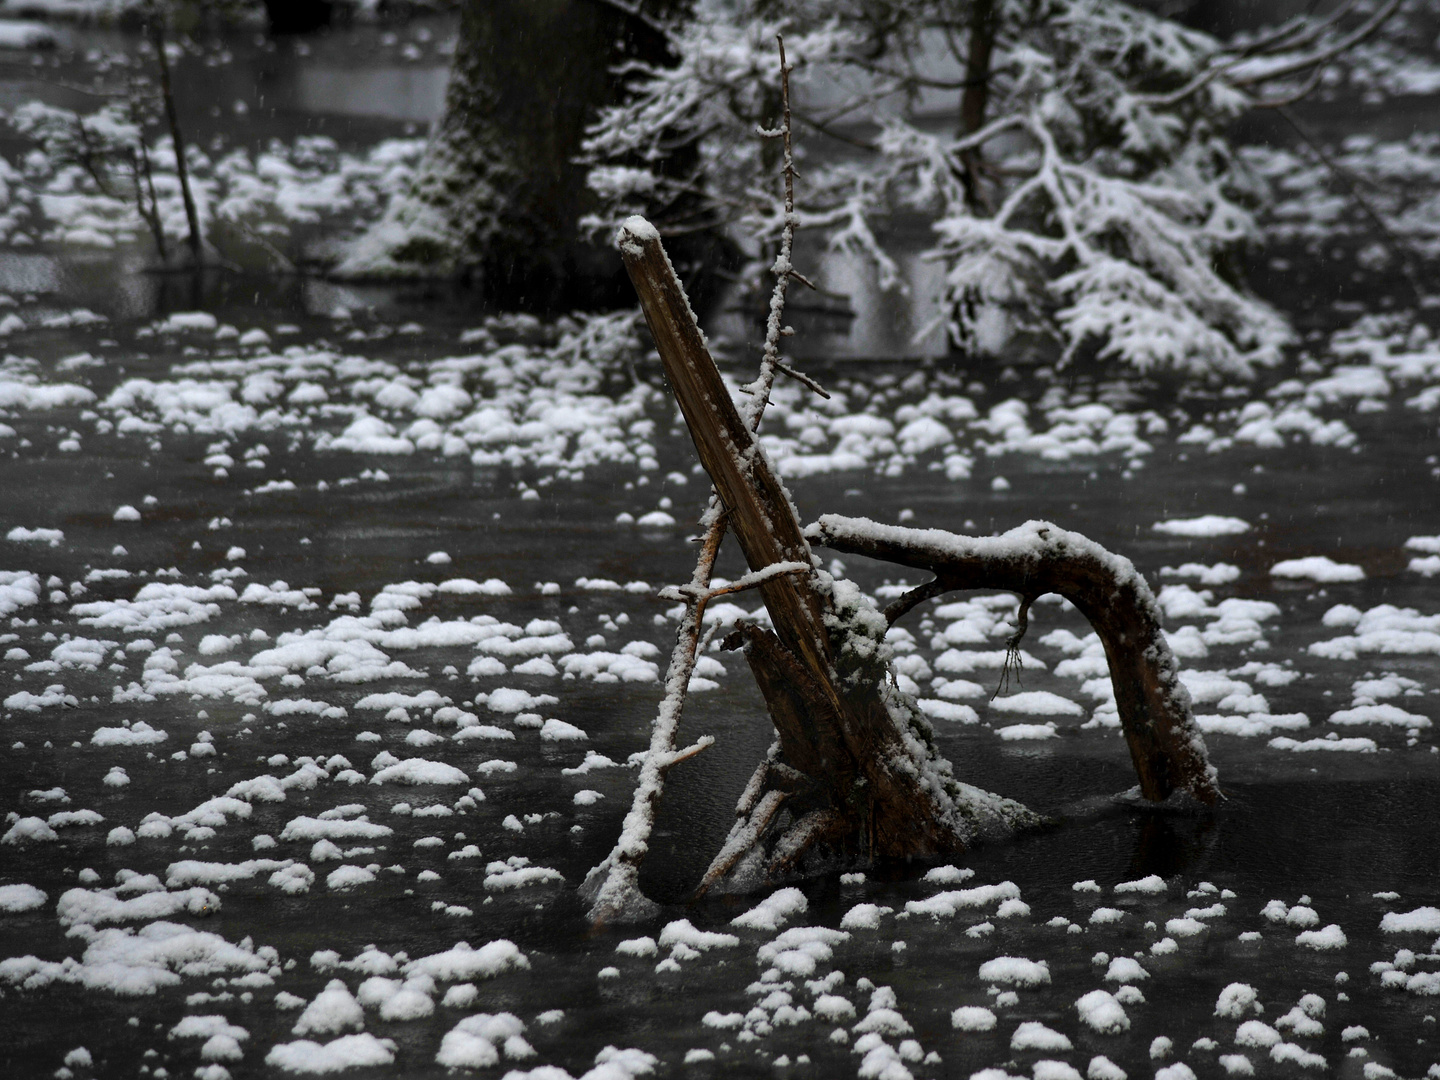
column 846, row 743
column 761, row 517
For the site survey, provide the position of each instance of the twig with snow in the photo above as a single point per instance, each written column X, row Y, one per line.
column 612, row 887
column 749, row 581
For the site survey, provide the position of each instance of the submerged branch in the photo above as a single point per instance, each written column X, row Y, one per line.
column 1166, row 746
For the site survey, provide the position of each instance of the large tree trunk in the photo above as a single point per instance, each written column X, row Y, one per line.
column 855, row 774
column 983, row 28
column 298, row 16
column 497, row 196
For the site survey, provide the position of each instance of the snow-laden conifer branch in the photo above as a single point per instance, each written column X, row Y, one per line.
column 1112, row 233
column 1289, row 65
column 1255, row 65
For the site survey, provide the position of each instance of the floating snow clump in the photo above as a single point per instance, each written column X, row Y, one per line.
column 1015, row 971
column 1153, row 885
column 559, row 731
column 1423, row 920
column 1018, row 732
column 31, row 829
column 420, row 771
column 348, row 877
column 473, row 1042
column 1389, row 715
column 1037, row 703
column 1317, row 568
column 973, row 1018
column 334, row 1010
column 1235, row 1001
column 346, row 1052
column 1352, row 746
column 1032, row 1035
column 17, row 898
column 463, row 963
column 864, row 917
column 1125, row 969
column 21, row 535
column 1219, row 574
column 774, row 911
column 508, row 701
column 954, row 711
column 1100, row 1011
column 1324, row 940
column 1207, row 525
column 946, row 904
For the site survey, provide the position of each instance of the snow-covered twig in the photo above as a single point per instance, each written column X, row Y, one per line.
column 612, row 887
column 691, row 592
column 760, row 388
column 1345, row 44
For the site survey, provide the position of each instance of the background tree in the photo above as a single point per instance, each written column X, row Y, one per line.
column 498, row 194
column 1087, row 187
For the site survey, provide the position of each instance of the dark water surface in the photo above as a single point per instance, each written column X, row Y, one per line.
column 1336, row 827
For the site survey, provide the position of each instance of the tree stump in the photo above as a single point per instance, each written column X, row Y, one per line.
column 854, row 774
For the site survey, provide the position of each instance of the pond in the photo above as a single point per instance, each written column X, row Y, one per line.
column 330, row 628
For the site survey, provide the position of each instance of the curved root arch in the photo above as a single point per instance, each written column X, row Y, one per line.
column 1036, row 558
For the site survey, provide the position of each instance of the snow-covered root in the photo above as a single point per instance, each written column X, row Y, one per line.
column 1035, row 558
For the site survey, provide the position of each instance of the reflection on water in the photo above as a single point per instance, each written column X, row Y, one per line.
column 359, row 84
column 30, row 273
column 391, row 93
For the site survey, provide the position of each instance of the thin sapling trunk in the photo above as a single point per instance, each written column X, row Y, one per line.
column 172, row 119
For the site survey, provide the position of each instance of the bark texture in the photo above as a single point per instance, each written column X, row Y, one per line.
column 854, row 774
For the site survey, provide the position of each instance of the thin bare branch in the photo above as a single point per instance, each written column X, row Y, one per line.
column 1301, row 30
column 1397, row 246
column 702, row 743
column 760, row 388
column 741, row 839
column 750, row 581
column 1305, row 90
column 803, row 379
column 914, row 598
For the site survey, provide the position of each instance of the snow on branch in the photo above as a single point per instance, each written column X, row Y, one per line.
column 612, row 888
column 749, row 581
column 1111, row 199
column 1165, row 743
